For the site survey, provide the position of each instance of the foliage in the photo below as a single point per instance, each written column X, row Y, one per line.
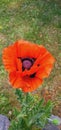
column 33, row 113
column 5, row 106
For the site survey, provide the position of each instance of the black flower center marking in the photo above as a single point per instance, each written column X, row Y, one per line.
column 32, row 75
column 27, row 63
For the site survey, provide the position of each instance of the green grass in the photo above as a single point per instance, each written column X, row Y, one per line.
column 34, row 20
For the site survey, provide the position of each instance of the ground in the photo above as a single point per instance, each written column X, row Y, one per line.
column 37, row 21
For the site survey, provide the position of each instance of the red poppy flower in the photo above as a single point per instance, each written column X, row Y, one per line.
column 28, row 64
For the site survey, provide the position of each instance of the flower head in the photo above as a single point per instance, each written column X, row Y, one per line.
column 28, row 64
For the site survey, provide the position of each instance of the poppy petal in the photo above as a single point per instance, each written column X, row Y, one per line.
column 27, row 84
column 44, row 59
column 31, row 84
column 9, row 55
column 19, row 65
column 15, row 79
column 46, row 65
column 27, row 49
column 31, row 71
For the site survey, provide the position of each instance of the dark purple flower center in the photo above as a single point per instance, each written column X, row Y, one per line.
column 27, row 63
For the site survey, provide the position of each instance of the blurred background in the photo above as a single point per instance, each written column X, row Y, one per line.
column 38, row 21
